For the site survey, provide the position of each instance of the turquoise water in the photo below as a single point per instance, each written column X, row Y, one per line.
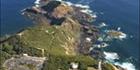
column 115, row 13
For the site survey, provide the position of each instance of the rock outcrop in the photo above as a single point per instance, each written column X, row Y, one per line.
column 62, row 33
column 70, row 19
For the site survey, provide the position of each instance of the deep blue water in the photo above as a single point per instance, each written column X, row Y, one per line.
column 117, row 13
column 11, row 18
column 124, row 14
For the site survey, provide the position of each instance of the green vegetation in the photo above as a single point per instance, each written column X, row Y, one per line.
column 30, row 66
column 54, row 40
column 107, row 66
column 4, row 54
column 63, row 62
column 38, row 38
column 51, row 38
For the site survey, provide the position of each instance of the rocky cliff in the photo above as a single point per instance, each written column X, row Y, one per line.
column 62, row 33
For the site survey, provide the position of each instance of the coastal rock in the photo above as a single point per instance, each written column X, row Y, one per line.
column 68, row 17
column 62, row 33
column 24, row 63
column 116, row 34
column 61, row 11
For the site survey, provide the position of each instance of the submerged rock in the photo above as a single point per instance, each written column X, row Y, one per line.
column 116, row 34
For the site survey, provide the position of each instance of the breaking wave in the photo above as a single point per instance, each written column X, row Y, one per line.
column 126, row 65
column 101, row 45
column 111, row 57
column 103, row 24
column 84, row 8
column 37, row 2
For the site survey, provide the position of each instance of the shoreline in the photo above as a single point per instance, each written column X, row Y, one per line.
column 88, row 39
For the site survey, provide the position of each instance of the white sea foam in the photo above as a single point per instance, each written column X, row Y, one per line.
column 37, row 2
column 103, row 24
column 69, row 3
column 89, row 12
column 122, row 36
column 119, row 28
column 88, row 39
column 58, row 0
column 126, row 65
column 86, row 11
column 97, row 45
column 91, row 48
column 94, row 15
column 102, row 45
column 82, row 6
column 111, row 56
column 76, row 5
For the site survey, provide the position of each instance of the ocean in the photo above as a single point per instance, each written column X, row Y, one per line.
column 11, row 19
column 115, row 13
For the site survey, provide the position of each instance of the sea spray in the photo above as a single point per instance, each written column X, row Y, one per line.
column 103, row 24
column 83, row 8
column 111, row 56
column 101, row 45
column 126, row 65
column 119, row 28
column 37, row 3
